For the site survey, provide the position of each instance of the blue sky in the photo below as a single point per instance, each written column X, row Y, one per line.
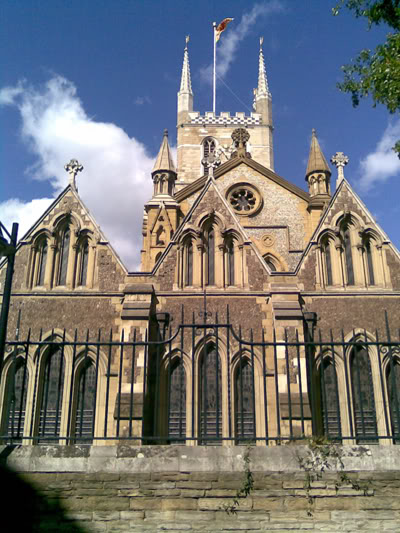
column 97, row 81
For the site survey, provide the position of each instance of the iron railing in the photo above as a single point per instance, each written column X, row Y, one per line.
column 203, row 384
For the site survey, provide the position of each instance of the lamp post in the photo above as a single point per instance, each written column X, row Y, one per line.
column 7, row 249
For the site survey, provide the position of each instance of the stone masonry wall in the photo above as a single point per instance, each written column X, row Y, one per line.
column 178, row 488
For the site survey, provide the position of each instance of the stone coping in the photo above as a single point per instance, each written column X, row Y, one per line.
column 132, row 459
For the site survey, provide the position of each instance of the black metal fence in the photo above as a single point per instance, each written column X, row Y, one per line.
column 203, row 384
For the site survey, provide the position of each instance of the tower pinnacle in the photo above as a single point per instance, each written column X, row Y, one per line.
column 186, row 83
column 185, row 94
column 262, row 89
column 316, row 159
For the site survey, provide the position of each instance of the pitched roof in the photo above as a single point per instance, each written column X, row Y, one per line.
column 316, row 159
column 164, row 159
column 231, row 164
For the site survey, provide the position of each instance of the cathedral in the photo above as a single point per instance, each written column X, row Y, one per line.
column 258, row 314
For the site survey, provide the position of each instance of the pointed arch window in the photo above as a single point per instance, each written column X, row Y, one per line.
column 51, row 395
column 363, row 394
column 188, row 267
column 327, row 261
column 83, row 261
column 15, row 396
column 393, row 391
column 210, row 257
column 230, row 262
column 177, row 403
column 330, row 410
column 210, row 396
column 86, row 401
column 42, row 260
column 244, row 402
column 209, row 146
column 348, row 256
column 64, row 254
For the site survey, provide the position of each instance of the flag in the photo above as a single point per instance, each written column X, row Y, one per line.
column 221, row 27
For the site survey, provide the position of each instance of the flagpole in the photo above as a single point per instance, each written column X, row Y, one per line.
column 214, row 69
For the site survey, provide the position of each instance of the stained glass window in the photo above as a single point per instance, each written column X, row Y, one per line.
column 42, row 262
column 85, row 403
column 329, row 399
column 211, row 257
column 177, row 403
column 393, row 388
column 17, row 385
column 84, row 263
column 51, row 395
column 244, row 403
column 210, row 396
column 363, row 394
column 64, row 253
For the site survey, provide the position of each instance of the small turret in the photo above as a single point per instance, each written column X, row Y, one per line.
column 161, row 216
column 185, row 94
column 164, row 172
column 318, row 176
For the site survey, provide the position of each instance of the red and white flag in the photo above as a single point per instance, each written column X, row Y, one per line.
column 221, row 27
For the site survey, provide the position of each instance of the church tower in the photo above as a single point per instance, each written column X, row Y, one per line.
column 199, row 135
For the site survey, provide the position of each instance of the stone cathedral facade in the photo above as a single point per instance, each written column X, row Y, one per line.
column 227, row 239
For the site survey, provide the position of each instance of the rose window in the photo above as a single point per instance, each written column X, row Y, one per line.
column 245, row 200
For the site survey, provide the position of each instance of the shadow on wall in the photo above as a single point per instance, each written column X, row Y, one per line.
column 24, row 509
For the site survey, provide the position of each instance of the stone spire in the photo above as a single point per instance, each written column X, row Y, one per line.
column 262, row 89
column 316, row 159
column 263, row 105
column 164, row 161
column 185, row 94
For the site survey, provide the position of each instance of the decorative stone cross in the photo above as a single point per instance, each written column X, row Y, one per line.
column 340, row 161
column 212, row 161
column 73, row 167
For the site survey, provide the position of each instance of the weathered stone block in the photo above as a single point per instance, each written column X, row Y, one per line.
column 178, row 503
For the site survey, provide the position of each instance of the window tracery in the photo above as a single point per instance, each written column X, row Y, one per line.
column 244, row 199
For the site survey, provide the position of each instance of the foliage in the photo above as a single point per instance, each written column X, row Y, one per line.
column 245, row 489
column 375, row 73
column 323, row 455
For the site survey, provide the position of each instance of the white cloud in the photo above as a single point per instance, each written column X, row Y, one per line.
column 116, row 180
column 141, row 100
column 234, row 34
column 381, row 164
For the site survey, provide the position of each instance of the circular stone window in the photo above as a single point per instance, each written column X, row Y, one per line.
column 244, row 198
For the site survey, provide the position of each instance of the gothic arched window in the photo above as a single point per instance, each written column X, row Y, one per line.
column 348, row 254
column 177, row 402
column 363, row 394
column 188, row 266
column 369, row 250
column 393, row 391
column 51, row 394
column 210, row 257
column 85, row 403
column 83, row 261
column 209, row 147
column 63, row 256
column 230, row 262
column 327, row 261
column 244, row 402
column 15, row 400
column 42, row 260
column 330, row 410
column 210, row 396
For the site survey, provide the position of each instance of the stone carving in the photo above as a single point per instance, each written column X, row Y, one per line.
column 212, row 161
column 73, row 167
column 268, row 240
column 340, row 161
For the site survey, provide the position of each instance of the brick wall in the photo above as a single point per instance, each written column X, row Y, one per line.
column 177, row 488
